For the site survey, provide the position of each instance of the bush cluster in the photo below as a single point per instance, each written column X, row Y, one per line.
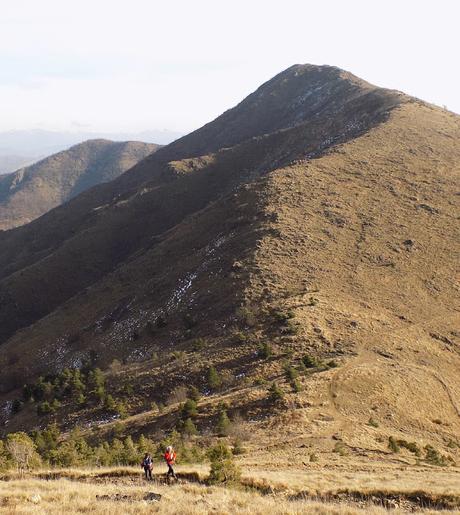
column 79, row 386
column 48, row 447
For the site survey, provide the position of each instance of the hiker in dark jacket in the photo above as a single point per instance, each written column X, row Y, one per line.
column 147, row 465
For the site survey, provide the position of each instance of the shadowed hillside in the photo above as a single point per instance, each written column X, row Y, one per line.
column 104, row 226
column 308, row 237
column 29, row 192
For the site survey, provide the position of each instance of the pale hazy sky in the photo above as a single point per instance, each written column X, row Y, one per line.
column 131, row 65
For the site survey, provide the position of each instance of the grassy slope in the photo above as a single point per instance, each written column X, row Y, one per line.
column 336, row 228
column 32, row 191
column 302, row 111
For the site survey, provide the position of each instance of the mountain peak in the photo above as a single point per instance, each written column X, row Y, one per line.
column 295, row 96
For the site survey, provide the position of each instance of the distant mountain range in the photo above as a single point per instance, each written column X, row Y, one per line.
column 21, row 148
column 31, row 191
column 10, row 162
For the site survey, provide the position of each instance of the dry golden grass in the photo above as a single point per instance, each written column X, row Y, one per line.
column 76, row 491
column 389, row 481
column 65, row 496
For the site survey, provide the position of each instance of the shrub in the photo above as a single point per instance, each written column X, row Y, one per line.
column 128, row 389
column 246, row 316
column 44, row 408
column 198, row 344
column 291, row 373
column 275, row 393
column 223, row 467
column 190, row 453
column 21, row 451
column 310, row 361
column 265, row 350
column 301, row 367
column 238, row 447
column 313, row 457
column 260, row 381
column 296, row 386
column 238, row 428
column 240, row 337
column 393, row 444
column 372, row 422
column 434, row 457
column 340, row 448
column 410, row 446
column 282, row 317
column 313, row 301
column 178, row 355
column 291, row 328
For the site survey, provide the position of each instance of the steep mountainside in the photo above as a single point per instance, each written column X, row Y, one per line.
column 101, row 228
column 325, row 230
column 29, row 192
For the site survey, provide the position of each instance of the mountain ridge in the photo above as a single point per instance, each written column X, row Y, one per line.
column 331, row 242
column 324, row 131
column 32, row 191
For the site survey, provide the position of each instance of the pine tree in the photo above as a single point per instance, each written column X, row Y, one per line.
column 223, row 467
column 142, row 444
column 109, row 403
column 214, row 380
column 194, row 393
column 223, row 424
column 189, row 428
column 189, row 409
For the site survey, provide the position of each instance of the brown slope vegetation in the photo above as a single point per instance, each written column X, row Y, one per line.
column 371, row 232
column 360, row 244
column 101, row 228
column 29, row 192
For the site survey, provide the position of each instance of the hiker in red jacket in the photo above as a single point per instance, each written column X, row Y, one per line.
column 170, row 458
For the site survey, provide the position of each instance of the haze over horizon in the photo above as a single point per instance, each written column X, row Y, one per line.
column 177, row 66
